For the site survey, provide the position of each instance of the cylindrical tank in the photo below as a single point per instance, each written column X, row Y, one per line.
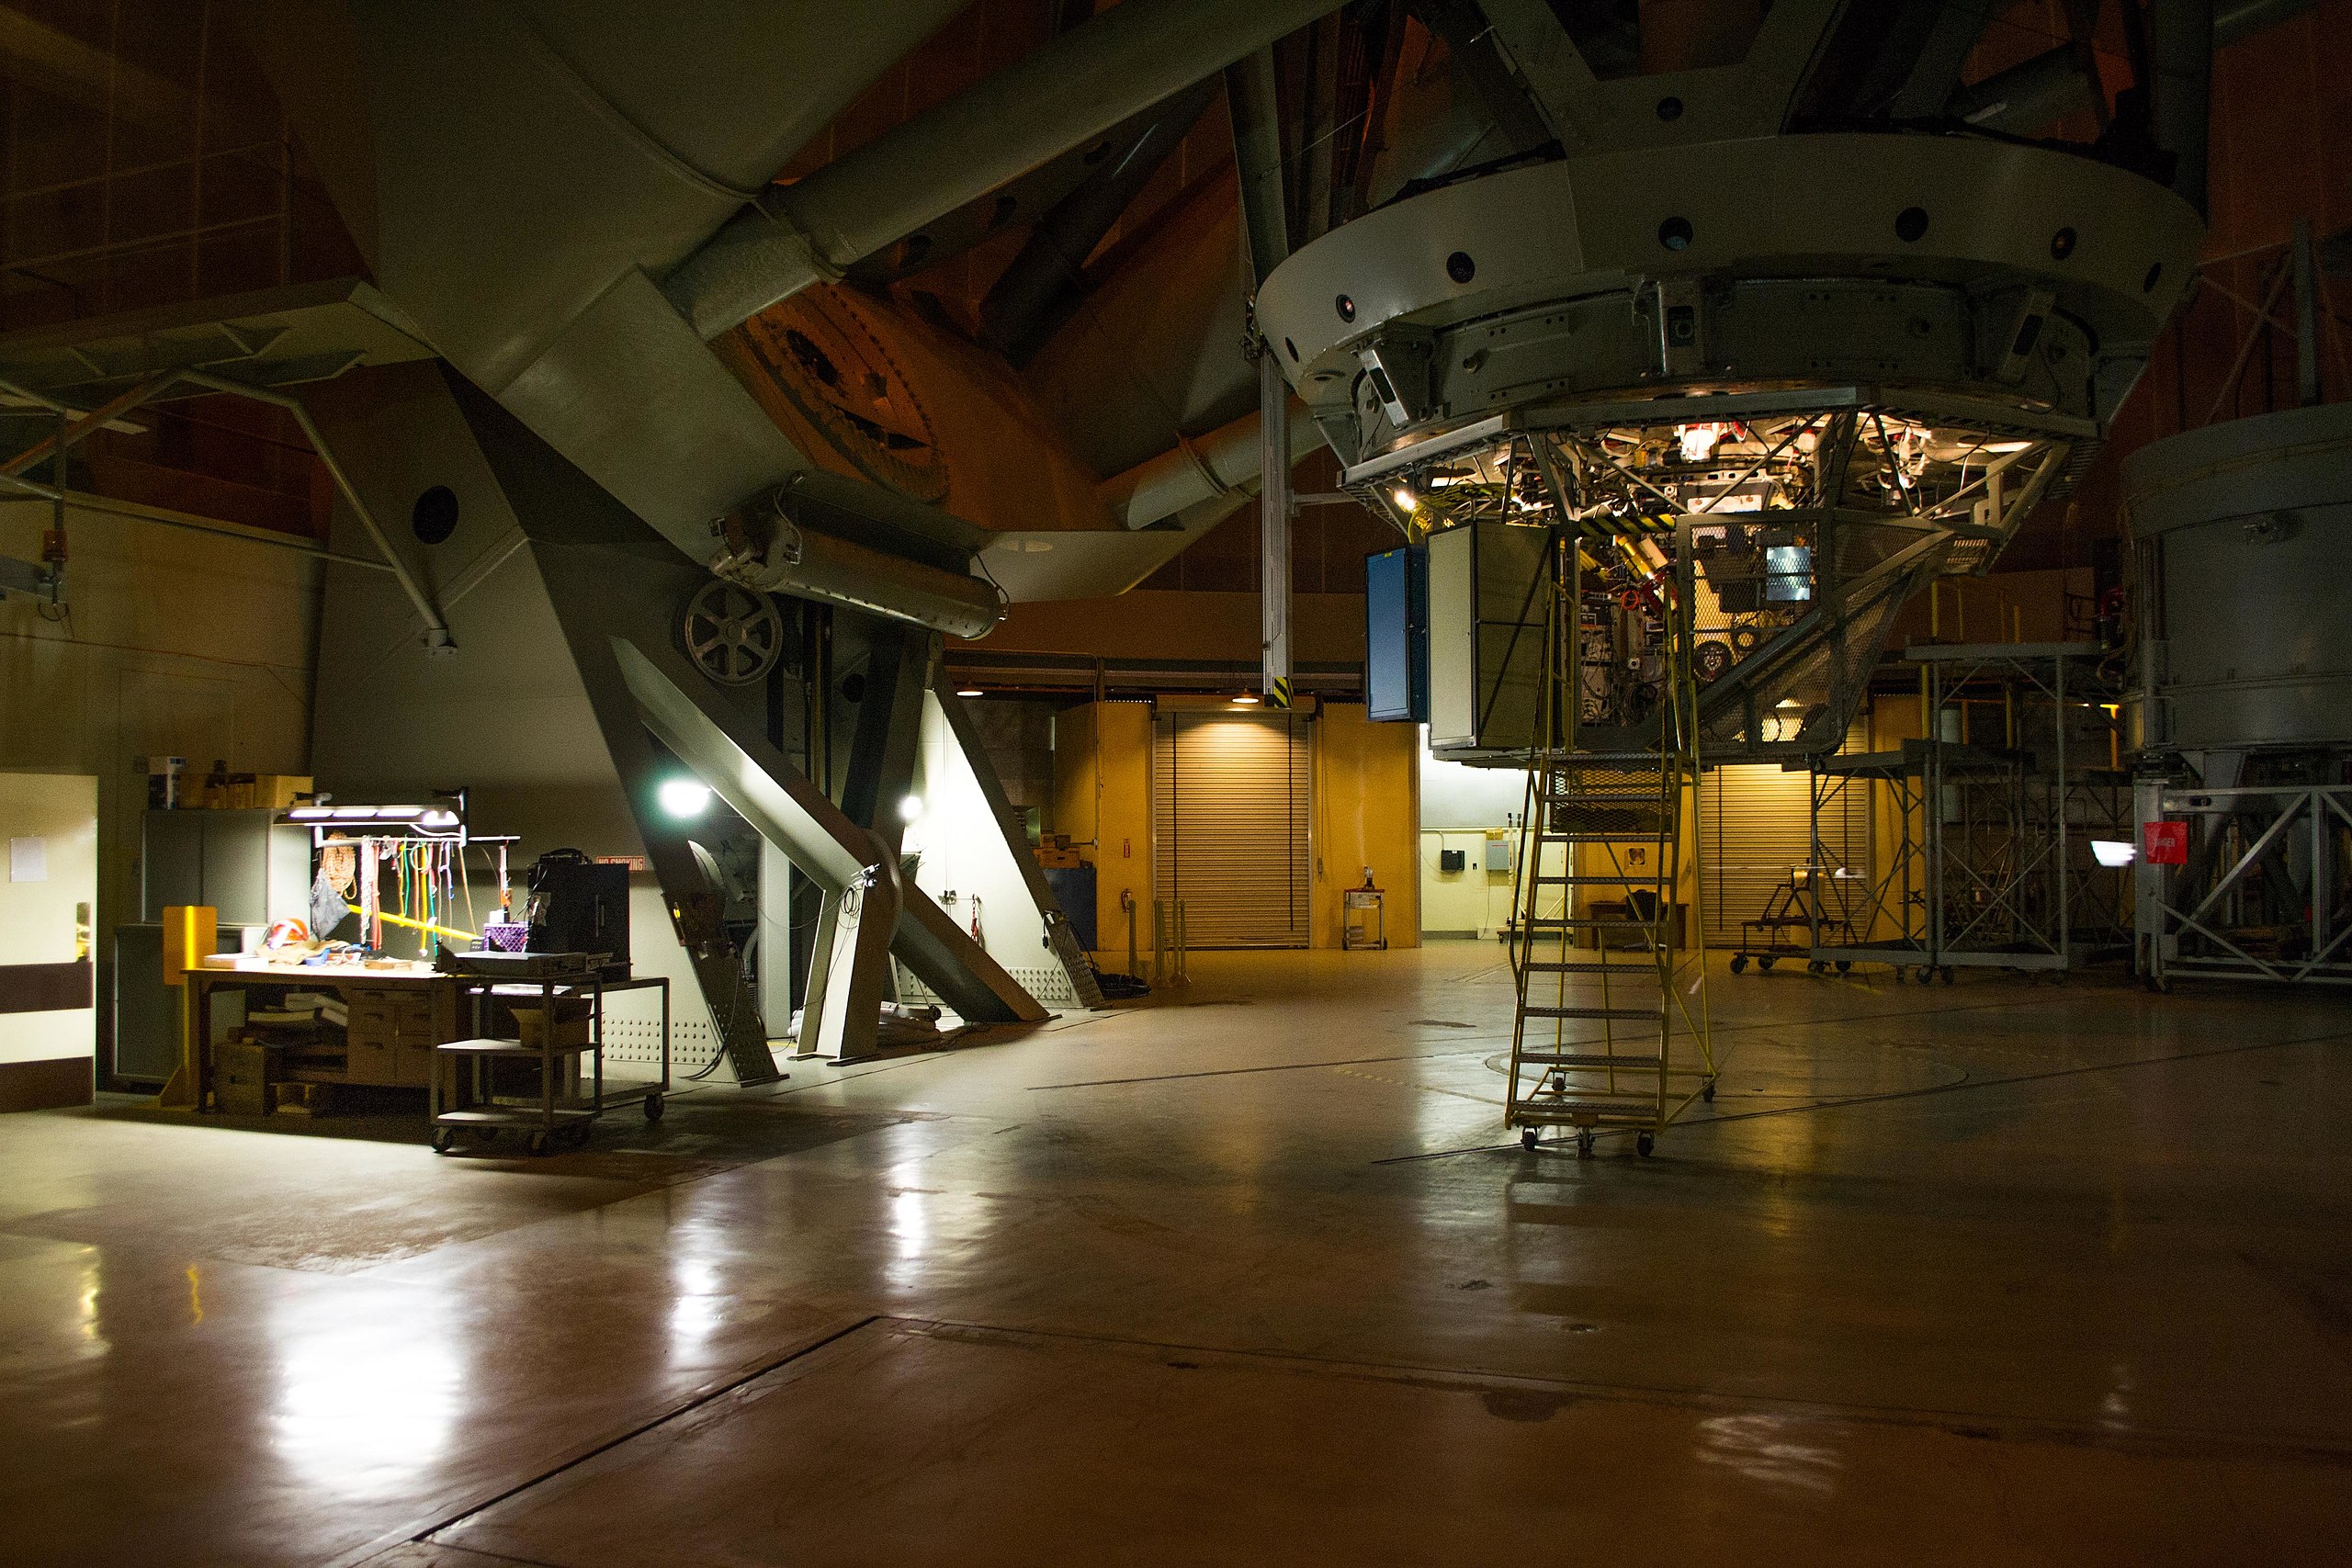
column 2244, row 536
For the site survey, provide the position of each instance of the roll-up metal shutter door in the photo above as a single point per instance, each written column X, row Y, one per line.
column 1756, row 822
column 1229, row 819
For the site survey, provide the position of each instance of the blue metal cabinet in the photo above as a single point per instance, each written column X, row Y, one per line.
column 1397, row 636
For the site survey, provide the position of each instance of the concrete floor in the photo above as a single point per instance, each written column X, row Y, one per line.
column 2004, row 1272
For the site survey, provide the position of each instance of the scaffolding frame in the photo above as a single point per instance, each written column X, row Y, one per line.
column 2255, row 852
column 1987, row 869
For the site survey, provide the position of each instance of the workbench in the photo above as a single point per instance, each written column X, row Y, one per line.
column 396, row 1018
column 402, row 1019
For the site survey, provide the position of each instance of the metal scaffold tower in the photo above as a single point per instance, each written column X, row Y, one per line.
column 1998, row 815
column 1609, row 1029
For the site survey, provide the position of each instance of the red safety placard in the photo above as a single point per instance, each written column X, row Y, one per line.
column 2164, row 844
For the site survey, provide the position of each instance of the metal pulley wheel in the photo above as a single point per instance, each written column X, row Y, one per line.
column 733, row 634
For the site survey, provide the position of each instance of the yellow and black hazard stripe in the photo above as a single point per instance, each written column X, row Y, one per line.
column 1278, row 692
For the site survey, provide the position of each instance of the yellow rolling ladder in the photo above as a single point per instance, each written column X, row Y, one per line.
column 1605, row 830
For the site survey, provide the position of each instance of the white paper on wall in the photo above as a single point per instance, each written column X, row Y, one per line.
column 29, row 859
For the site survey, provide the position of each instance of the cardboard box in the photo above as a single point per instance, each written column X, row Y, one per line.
column 278, row 791
column 242, row 1074
column 531, row 1027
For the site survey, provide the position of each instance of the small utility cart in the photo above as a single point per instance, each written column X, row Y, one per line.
column 1787, row 927
column 556, row 1004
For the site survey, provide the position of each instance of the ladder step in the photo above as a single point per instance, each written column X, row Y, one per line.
column 1642, row 1106
column 1611, row 881
column 1557, row 1059
column 1627, row 1015
column 1609, row 797
column 1631, row 971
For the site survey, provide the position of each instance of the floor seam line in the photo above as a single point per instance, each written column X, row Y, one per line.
column 2030, row 1428
column 423, row 1537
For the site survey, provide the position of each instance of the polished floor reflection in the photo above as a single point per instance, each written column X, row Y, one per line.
column 2005, row 1271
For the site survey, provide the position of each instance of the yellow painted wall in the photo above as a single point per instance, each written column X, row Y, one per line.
column 1367, row 813
column 1102, row 802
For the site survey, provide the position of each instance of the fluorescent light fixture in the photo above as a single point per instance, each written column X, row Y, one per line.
column 969, row 692
column 1407, row 500
column 2113, row 853
column 399, row 813
column 684, row 797
column 309, row 814
column 910, row 808
column 440, row 819
column 354, row 814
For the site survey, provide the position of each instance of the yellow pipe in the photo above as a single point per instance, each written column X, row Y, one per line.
column 418, row 925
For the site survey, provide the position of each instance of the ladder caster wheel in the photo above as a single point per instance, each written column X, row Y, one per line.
column 1947, row 974
column 1925, row 976
column 1738, row 962
column 654, row 1108
column 1766, row 965
column 1845, row 966
column 1526, row 1139
column 444, row 1140
column 1815, row 966
column 538, row 1144
column 1645, row 1143
column 1584, row 1145
column 1708, row 1093
column 1898, row 974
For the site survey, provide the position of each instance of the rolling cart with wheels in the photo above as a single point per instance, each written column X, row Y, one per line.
column 1767, row 939
column 466, row 1097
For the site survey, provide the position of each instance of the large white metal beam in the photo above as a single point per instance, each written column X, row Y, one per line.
column 1080, row 86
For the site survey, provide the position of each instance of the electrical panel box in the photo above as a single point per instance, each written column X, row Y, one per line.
column 1486, row 608
column 1498, row 853
column 1397, row 636
column 1453, row 860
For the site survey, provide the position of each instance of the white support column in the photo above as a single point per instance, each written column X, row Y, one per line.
column 1273, row 530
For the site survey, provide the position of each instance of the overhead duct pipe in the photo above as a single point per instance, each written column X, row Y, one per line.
column 2027, row 97
column 1031, row 297
column 2181, row 50
column 2039, row 92
column 2234, row 19
column 766, row 548
column 1078, row 86
column 1199, row 469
